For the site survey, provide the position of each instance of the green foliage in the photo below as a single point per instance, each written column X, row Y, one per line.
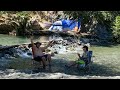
column 100, row 16
column 23, row 14
column 116, row 29
column 2, row 12
column 22, row 19
column 21, row 29
column 109, row 19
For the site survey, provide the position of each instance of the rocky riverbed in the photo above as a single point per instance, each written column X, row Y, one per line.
column 12, row 74
column 60, row 46
column 15, row 63
column 17, row 60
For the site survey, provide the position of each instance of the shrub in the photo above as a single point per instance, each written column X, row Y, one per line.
column 116, row 29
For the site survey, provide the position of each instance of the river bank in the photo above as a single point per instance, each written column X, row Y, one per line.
column 12, row 74
column 105, row 66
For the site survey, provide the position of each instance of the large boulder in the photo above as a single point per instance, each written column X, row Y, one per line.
column 35, row 25
column 5, row 29
column 6, row 24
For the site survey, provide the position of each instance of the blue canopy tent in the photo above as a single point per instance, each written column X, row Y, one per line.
column 65, row 24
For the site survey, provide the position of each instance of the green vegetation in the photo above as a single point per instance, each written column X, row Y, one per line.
column 89, row 20
column 21, row 29
column 116, row 29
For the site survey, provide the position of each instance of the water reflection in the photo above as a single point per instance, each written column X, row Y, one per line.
column 62, row 45
column 14, row 40
column 43, row 38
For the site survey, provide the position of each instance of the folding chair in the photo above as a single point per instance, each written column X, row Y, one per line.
column 90, row 61
column 33, row 62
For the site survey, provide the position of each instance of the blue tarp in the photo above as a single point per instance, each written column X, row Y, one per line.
column 69, row 24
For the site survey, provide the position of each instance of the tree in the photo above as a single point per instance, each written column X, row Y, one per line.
column 116, row 29
column 88, row 17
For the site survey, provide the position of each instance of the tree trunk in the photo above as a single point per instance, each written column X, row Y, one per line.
column 83, row 29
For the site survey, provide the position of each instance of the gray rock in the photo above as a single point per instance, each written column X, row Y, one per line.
column 13, row 50
column 8, row 52
column 55, row 52
column 1, row 55
column 84, row 40
column 7, row 56
column 29, row 53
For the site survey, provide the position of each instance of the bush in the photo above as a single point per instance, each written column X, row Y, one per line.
column 22, row 19
column 22, row 26
column 116, row 29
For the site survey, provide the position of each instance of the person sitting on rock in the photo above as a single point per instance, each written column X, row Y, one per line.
column 82, row 59
column 38, row 54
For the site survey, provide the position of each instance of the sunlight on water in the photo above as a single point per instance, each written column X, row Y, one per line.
column 12, row 40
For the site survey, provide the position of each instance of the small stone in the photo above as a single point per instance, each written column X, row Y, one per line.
column 29, row 53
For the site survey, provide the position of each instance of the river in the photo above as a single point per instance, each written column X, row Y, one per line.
column 14, row 40
column 106, row 60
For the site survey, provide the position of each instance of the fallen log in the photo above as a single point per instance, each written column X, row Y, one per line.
column 2, row 48
column 7, row 47
column 47, row 32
